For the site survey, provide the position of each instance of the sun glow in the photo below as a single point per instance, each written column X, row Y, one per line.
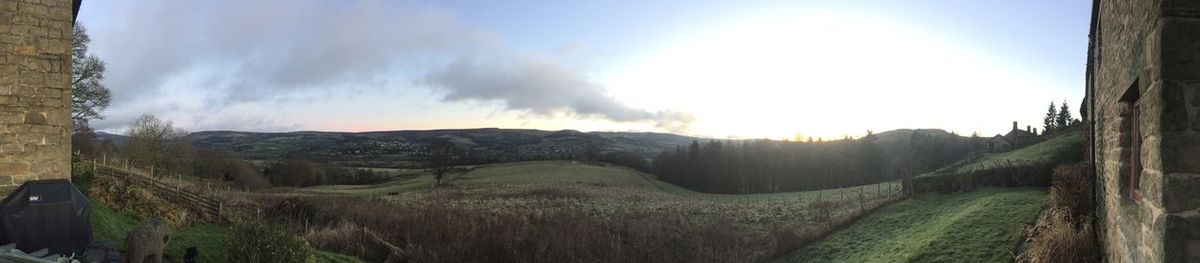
column 824, row 75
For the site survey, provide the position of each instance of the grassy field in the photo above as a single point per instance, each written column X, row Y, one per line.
column 1060, row 148
column 564, row 173
column 548, row 208
column 979, row 226
column 540, row 172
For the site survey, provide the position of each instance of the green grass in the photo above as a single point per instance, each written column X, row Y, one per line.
column 1061, row 148
column 211, row 240
column 979, row 226
column 324, row 256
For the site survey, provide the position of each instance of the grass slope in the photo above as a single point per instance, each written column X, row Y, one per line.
column 565, row 173
column 1060, row 148
column 979, row 226
column 212, row 240
column 540, row 172
column 516, row 201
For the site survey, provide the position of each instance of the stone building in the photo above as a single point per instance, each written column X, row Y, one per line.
column 1015, row 138
column 35, row 90
column 1143, row 125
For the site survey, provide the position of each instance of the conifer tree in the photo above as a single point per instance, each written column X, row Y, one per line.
column 1064, row 116
column 1051, row 119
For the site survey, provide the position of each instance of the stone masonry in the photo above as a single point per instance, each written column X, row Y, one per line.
column 1144, row 79
column 35, row 91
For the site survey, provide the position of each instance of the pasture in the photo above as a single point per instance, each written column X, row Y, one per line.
column 520, row 211
column 982, row 226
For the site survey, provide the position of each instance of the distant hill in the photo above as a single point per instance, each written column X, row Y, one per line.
column 117, row 139
column 936, row 147
column 402, row 149
column 407, row 148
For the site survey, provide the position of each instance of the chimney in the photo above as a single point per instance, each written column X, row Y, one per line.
column 1034, row 131
column 1014, row 125
column 1028, row 128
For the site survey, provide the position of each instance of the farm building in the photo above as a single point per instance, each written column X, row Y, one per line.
column 1143, row 123
column 1015, row 138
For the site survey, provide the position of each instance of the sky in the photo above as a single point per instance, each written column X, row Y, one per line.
column 720, row 69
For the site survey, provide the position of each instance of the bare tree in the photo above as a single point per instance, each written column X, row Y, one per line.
column 88, row 95
column 443, row 156
column 157, row 143
column 83, row 139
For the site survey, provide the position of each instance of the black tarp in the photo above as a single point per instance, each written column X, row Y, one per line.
column 50, row 214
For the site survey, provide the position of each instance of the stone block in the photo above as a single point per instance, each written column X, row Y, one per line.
column 1180, row 193
column 1181, row 49
column 1178, row 108
column 1181, row 152
column 14, row 168
column 1181, row 233
column 1181, row 8
column 35, row 118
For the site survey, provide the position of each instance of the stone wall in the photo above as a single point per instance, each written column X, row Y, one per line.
column 1180, row 131
column 1154, row 47
column 35, row 91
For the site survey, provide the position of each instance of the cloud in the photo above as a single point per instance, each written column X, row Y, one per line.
column 205, row 56
column 542, row 87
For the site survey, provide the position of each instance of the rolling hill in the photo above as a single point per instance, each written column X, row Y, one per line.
column 408, row 148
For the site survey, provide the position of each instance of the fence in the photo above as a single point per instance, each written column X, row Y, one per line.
column 207, row 207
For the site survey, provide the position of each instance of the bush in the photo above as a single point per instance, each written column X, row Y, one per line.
column 132, row 199
column 82, row 176
column 1065, row 232
column 261, row 243
column 292, row 209
column 1073, row 190
column 1060, row 238
column 246, row 176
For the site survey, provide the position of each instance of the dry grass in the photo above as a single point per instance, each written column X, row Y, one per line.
column 567, row 223
column 1073, row 189
column 1061, row 238
column 1065, row 231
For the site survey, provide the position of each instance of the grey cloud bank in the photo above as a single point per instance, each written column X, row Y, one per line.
column 202, row 57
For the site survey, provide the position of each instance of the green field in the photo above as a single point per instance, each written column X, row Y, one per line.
column 539, row 172
column 568, row 173
column 979, row 226
column 547, row 189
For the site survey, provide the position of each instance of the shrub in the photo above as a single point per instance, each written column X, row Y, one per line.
column 1059, row 238
column 82, row 176
column 1065, row 232
column 1073, row 190
column 261, row 243
column 132, row 199
column 292, row 209
column 246, row 176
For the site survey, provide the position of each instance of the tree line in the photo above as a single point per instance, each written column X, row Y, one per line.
column 1060, row 119
column 758, row 166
